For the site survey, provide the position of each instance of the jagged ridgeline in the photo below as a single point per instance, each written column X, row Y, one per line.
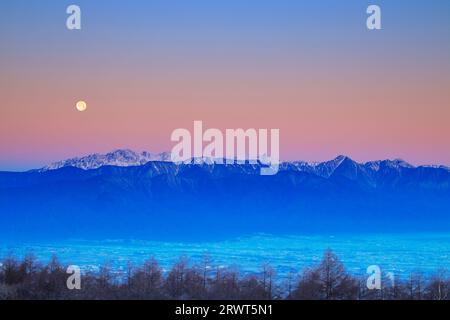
column 125, row 194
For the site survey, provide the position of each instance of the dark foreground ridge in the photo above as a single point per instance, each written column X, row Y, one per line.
column 27, row 279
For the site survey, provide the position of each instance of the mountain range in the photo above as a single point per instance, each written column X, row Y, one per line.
column 120, row 158
column 127, row 158
column 125, row 194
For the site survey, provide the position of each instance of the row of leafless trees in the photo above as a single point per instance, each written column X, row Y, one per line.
column 27, row 279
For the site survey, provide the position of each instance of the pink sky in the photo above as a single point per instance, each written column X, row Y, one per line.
column 363, row 95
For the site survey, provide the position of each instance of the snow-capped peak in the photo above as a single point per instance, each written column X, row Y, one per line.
column 396, row 163
column 120, row 158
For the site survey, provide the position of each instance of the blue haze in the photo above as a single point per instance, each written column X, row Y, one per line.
column 398, row 253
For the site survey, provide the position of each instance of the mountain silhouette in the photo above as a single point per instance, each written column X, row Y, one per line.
column 165, row 201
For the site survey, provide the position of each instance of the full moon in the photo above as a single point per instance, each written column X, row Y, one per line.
column 81, row 106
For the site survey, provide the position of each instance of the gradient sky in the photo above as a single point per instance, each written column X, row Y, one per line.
column 145, row 68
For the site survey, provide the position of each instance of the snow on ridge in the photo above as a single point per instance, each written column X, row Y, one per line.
column 120, row 158
column 127, row 157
